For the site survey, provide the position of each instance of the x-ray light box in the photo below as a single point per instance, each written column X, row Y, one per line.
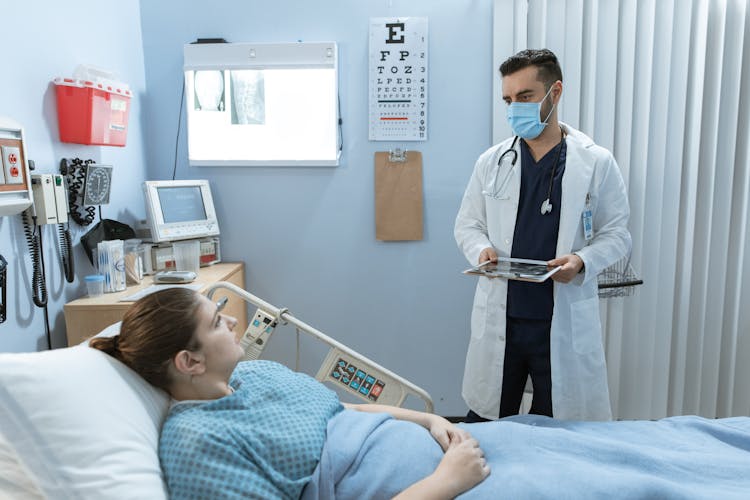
column 251, row 104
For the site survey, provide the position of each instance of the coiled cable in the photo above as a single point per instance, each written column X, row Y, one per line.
column 34, row 241
column 75, row 176
column 3, row 283
column 66, row 251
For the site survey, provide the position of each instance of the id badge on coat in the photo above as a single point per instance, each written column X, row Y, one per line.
column 588, row 220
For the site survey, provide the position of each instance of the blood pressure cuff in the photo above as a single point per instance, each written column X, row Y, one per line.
column 104, row 230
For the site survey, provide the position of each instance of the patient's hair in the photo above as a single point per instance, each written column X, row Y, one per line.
column 548, row 68
column 153, row 330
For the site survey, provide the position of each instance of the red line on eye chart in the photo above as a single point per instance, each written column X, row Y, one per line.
column 396, row 118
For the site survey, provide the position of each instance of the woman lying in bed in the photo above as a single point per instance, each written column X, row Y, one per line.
column 255, row 429
column 259, row 430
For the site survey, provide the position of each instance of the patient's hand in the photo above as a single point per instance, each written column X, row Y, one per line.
column 463, row 466
column 445, row 433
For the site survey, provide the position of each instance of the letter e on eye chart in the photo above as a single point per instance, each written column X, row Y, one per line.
column 398, row 79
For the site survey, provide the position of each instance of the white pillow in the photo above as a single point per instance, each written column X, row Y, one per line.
column 85, row 424
column 16, row 481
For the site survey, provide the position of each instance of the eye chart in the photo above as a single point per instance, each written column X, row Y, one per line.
column 398, row 79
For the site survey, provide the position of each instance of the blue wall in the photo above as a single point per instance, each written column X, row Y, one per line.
column 43, row 40
column 307, row 235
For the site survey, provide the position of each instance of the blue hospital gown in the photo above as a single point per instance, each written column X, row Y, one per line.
column 262, row 441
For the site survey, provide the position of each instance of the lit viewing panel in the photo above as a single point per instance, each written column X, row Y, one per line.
column 262, row 104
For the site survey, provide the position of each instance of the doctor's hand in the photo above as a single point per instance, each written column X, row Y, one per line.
column 571, row 265
column 488, row 253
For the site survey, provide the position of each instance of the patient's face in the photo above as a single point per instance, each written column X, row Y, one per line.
column 219, row 344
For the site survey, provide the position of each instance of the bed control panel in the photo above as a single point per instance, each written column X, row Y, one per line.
column 349, row 374
column 256, row 336
column 359, row 378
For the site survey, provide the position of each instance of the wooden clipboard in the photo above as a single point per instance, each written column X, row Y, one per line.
column 398, row 195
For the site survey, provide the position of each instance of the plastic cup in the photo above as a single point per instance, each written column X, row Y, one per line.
column 94, row 285
column 135, row 255
column 187, row 255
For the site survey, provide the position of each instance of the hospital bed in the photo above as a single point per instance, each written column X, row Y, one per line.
column 75, row 423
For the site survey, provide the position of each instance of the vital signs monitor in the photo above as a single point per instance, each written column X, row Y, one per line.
column 180, row 210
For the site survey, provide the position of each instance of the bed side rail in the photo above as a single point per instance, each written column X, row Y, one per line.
column 343, row 367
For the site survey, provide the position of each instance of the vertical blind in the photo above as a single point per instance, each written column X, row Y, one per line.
column 665, row 86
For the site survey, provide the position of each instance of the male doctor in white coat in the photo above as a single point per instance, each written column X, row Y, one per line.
column 548, row 193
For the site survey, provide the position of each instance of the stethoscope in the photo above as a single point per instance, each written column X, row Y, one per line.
column 546, row 204
column 495, row 191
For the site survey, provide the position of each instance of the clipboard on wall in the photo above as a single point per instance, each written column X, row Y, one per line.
column 398, row 195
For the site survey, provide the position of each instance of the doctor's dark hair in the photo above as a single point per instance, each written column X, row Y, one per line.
column 548, row 68
column 153, row 330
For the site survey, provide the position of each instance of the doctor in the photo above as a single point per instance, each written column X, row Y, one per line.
column 551, row 194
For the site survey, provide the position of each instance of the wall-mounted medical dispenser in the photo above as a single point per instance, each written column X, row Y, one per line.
column 92, row 108
column 15, row 181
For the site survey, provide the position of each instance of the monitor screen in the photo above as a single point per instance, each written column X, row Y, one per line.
column 181, row 204
column 179, row 210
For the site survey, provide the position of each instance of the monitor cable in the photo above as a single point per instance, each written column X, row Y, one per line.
column 179, row 125
column 341, row 128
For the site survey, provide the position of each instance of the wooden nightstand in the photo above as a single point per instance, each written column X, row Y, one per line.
column 85, row 317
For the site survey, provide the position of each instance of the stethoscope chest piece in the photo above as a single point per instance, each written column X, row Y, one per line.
column 546, row 207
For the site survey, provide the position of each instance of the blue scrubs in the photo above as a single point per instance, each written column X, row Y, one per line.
column 535, row 235
column 530, row 305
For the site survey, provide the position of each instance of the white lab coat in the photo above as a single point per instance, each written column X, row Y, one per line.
column 579, row 376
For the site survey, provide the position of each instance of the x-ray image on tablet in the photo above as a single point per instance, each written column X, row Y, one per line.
column 514, row 269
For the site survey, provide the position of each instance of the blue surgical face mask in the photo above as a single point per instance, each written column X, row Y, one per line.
column 524, row 118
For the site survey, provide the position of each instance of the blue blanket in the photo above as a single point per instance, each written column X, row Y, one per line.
column 374, row 456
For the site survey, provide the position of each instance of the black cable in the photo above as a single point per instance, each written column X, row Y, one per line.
column 34, row 241
column 179, row 123
column 46, row 312
column 46, row 328
column 341, row 128
column 75, row 176
column 3, row 283
column 100, row 212
column 66, row 251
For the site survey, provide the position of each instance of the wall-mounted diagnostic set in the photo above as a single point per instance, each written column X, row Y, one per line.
column 41, row 199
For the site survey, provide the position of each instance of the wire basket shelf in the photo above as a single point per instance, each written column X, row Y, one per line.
column 618, row 280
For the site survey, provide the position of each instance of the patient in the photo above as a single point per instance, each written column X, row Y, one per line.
column 257, row 429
